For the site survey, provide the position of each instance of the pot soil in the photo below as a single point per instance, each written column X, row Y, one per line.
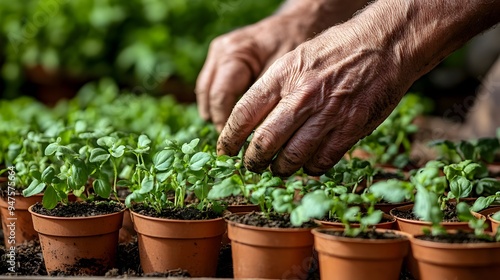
column 474, row 259
column 17, row 223
column 387, row 222
column 269, row 247
column 407, row 222
column 81, row 236
column 176, row 242
column 376, row 255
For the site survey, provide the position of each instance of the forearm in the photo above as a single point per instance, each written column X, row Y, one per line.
column 318, row 15
column 421, row 33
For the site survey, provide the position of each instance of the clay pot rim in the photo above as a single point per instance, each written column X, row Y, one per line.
column 173, row 220
column 72, row 218
column 318, row 233
column 419, row 222
column 451, row 246
column 244, row 226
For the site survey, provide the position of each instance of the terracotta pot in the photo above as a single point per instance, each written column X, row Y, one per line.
column 416, row 227
column 468, row 261
column 384, row 225
column 68, row 242
column 238, row 209
column 166, row 244
column 486, row 212
column 357, row 258
column 494, row 223
column 127, row 232
column 270, row 253
column 17, row 224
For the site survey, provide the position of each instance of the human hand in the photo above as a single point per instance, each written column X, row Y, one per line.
column 316, row 102
column 236, row 59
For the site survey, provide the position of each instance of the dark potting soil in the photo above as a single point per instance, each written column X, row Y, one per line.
column 235, row 200
column 80, row 209
column 274, row 220
column 450, row 214
column 458, row 237
column 337, row 220
column 371, row 234
column 184, row 213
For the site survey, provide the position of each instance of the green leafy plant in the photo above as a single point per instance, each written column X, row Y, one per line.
column 176, row 169
column 390, row 143
column 335, row 201
column 480, row 151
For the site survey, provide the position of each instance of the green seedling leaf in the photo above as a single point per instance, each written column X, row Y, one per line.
column 199, row 160
column 102, row 186
column 482, row 203
column 106, row 141
column 475, row 170
column 118, row 152
column 51, row 149
column 227, row 187
column 163, row 160
column 426, row 206
column 393, row 190
column 460, row 187
column 463, row 212
column 188, row 149
column 351, row 214
column 487, row 186
column 50, row 198
column 123, row 183
column 48, row 174
column 34, row 188
column 98, row 155
column 147, row 185
column 466, row 150
column 496, row 216
column 373, row 218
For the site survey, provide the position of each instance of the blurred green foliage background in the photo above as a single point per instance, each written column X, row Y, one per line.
column 135, row 42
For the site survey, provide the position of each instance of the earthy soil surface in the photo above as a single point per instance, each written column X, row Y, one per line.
column 273, row 221
column 337, row 220
column 459, row 237
column 450, row 214
column 235, row 200
column 80, row 209
column 186, row 213
column 372, row 234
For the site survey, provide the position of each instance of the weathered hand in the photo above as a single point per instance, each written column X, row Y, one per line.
column 236, row 59
column 314, row 103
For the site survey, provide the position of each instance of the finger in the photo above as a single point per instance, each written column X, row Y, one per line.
column 202, row 89
column 303, row 144
column 280, row 125
column 230, row 81
column 252, row 108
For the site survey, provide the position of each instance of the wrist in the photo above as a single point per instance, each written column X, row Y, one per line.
column 420, row 34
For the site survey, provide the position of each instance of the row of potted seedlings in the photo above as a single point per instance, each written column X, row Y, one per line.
column 176, row 193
